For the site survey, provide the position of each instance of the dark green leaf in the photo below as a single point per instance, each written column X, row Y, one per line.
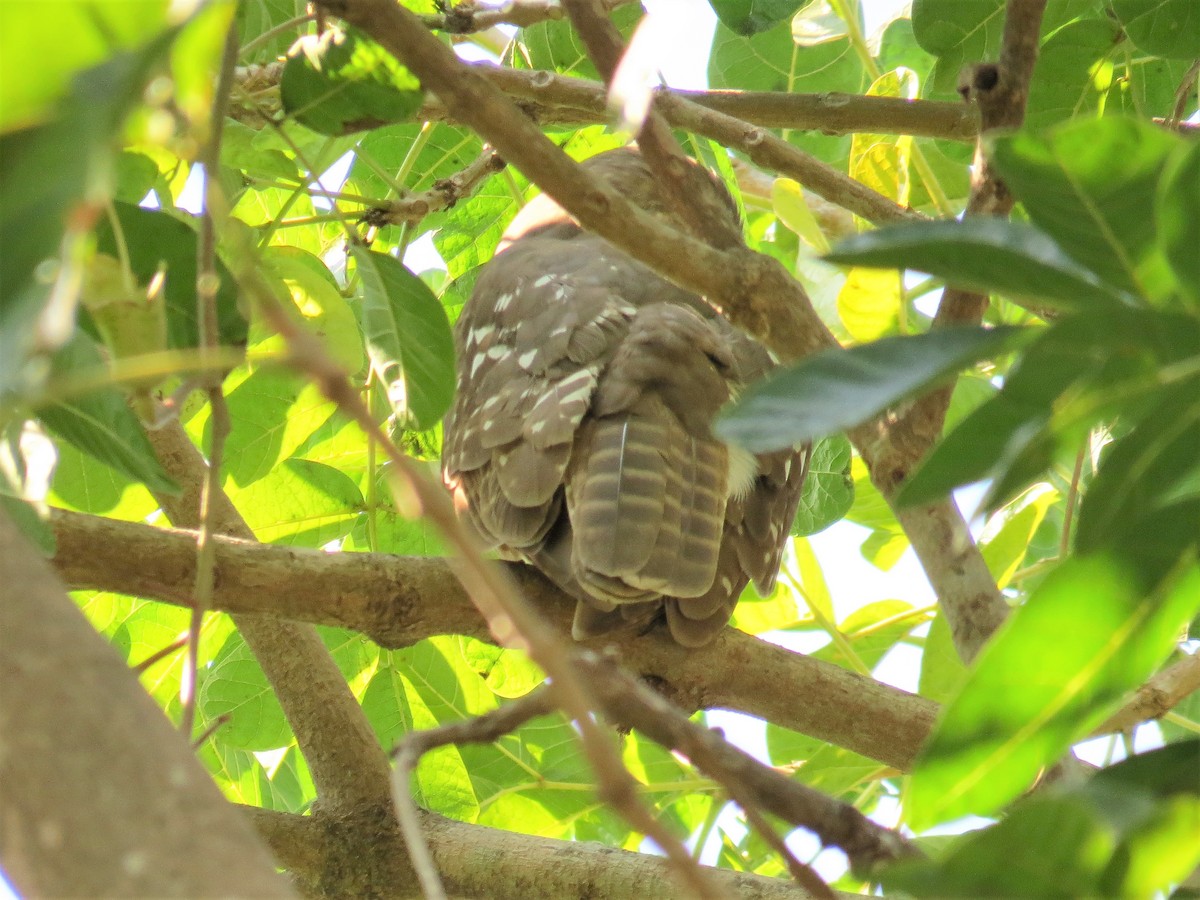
column 342, row 81
column 748, row 17
column 829, row 490
column 1047, row 847
column 154, row 238
column 408, row 339
column 1162, row 772
column 1005, row 725
column 837, row 389
column 1087, row 185
column 1162, row 27
column 100, row 423
column 1103, row 364
column 1178, row 218
column 1065, row 86
column 984, row 254
column 49, row 169
column 1148, row 478
column 958, row 34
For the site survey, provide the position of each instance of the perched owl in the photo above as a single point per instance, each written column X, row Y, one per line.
column 580, row 440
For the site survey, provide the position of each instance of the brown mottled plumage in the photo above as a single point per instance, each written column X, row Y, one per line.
column 581, row 441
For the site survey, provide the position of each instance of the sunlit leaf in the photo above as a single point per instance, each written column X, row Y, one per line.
column 408, row 339
column 341, row 81
column 1033, row 694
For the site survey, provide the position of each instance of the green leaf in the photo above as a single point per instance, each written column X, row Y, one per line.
column 1086, row 185
column 342, row 81
column 1067, row 85
column 1006, row 724
column 1178, row 218
column 984, row 254
column 942, row 671
column 837, row 389
column 1148, row 478
column 1006, row 540
column 958, row 34
column 309, row 287
column 1101, row 365
column 869, row 302
column 52, row 173
column 829, row 490
column 300, row 503
column 1161, row 27
column 749, row 17
column 100, row 423
column 273, row 411
column 1049, row 846
column 154, row 238
column 1130, row 831
column 236, row 686
column 408, row 339
column 81, row 34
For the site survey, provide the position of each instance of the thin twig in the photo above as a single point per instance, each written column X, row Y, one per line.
column 444, row 193
column 752, row 785
column 213, row 727
column 480, row 730
column 1064, row 541
column 207, row 284
column 468, row 17
column 555, row 99
column 159, row 655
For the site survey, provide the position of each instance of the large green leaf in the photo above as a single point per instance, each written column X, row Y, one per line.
column 408, row 339
column 957, row 33
column 342, row 81
column 1064, row 84
column 1088, row 185
column 300, row 503
column 49, row 171
column 1130, row 831
column 837, row 389
column 154, row 238
column 984, row 254
column 752, row 16
column 828, row 490
column 100, row 423
column 1033, row 692
column 1178, row 219
column 1161, row 27
column 79, row 34
column 1101, row 364
column 1146, row 496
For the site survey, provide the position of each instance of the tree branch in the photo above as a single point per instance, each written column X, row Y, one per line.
column 348, row 766
column 477, row 861
column 967, row 593
column 553, row 99
column 397, row 601
column 101, row 796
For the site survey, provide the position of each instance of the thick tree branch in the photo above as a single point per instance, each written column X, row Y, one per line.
column 967, row 593
column 348, row 766
column 476, row 861
column 554, row 99
column 397, row 601
column 101, row 797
